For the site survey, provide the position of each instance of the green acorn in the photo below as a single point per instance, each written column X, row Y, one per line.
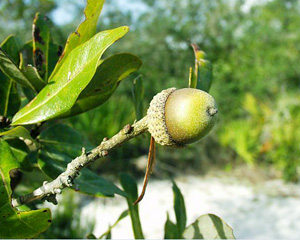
column 179, row 117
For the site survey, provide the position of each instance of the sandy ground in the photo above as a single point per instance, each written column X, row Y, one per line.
column 266, row 210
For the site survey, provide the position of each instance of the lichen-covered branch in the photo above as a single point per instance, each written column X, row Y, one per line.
column 49, row 189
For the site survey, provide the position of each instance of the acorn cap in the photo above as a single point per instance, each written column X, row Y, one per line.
column 156, row 119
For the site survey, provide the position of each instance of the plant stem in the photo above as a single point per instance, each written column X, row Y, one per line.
column 49, row 189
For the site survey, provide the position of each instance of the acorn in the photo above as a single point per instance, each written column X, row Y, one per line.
column 176, row 118
column 179, row 117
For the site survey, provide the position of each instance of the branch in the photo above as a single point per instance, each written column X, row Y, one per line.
column 49, row 189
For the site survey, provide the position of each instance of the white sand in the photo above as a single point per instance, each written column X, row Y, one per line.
column 270, row 210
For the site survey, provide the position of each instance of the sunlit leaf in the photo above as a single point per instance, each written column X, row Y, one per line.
column 18, row 131
column 209, row 226
column 202, row 76
column 16, row 224
column 105, row 81
column 65, row 86
column 85, row 31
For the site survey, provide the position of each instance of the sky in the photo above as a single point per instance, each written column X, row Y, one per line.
column 63, row 14
column 65, row 10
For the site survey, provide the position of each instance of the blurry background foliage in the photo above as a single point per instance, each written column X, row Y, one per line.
column 254, row 49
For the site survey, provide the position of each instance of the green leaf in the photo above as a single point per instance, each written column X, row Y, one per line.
column 45, row 52
column 171, row 230
column 64, row 139
column 32, row 74
column 130, row 187
column 85, row 31
column 12, row 71
column 202, row 76
column 205, row 76
column 16, row 224
column 27, row 77
column 209, row 226
column 65, row 86
column 107, row 234
column 20, row 152
column 138, row 97
column 29, row 94
column 123, row 215
column 12, row 46
column 7, row 163
column 179, row 208
column 27, row 54
column 18, row 131
column 91, row 236
column 9, row 98
column 61, row 144
column 107, row 78
column 53, row 163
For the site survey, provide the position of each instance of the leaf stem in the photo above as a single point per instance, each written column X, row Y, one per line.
column 49, row 189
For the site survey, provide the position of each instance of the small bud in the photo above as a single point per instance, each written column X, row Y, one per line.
column 105, row 139
column 57, row 191
column 104, row 153
column 83, row 152
column 127, row 129
column 69, row 181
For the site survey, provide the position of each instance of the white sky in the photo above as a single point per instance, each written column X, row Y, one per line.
column 65, row 10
